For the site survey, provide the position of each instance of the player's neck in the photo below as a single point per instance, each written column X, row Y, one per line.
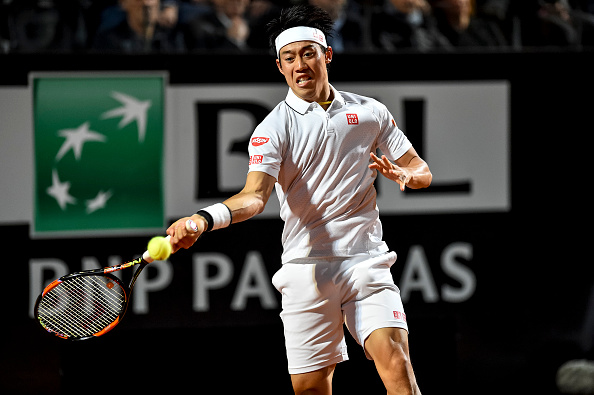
column 326, row 103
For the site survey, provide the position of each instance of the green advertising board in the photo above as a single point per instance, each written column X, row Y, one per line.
column 98, row 152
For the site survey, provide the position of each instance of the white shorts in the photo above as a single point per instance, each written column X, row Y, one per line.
column 320, row 295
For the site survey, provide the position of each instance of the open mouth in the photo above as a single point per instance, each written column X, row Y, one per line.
column 303, row 80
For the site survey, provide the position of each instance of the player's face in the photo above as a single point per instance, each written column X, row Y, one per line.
column 303, row 64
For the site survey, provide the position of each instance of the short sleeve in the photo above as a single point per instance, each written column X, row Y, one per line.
column 392, row 141
column 266, row 148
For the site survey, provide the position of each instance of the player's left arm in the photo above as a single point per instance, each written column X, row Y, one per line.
column 409, row 170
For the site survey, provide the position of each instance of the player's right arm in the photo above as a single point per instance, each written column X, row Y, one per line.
column 246, row 204
column 253, row 197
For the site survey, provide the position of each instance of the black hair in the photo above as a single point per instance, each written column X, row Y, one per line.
column 299, row 15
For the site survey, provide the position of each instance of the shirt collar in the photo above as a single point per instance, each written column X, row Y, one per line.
column 302, row 106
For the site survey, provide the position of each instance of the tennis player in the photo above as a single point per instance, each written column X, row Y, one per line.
column 317, row 148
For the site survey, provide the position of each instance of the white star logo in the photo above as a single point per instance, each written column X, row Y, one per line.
column 98, row 202
column 132, row 110
column 75, row 138
column 60, row 191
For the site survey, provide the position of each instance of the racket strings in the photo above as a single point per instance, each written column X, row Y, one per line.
column 82, row 306
column 75, row 320
column 79, row 324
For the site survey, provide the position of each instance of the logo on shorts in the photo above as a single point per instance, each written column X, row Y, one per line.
column 400, row 315
column 255, row 160
column 352, row 119
column 257, row 141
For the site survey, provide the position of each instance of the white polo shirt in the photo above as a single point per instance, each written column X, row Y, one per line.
column 320, row 161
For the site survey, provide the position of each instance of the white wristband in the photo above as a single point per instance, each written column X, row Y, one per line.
column 220, row 216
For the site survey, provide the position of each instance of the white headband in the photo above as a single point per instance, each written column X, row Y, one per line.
column 299, row 33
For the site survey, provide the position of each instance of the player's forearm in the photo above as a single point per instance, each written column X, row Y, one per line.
column 244, row 206
column 253, row 197
column 421, row 175
column 241, row 207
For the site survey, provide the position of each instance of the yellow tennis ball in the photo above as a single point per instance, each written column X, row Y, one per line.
column 159, row 248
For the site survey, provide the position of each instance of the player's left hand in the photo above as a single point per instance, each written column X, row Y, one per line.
column 390, row 170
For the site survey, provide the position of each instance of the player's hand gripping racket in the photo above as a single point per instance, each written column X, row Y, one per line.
column 88, row 304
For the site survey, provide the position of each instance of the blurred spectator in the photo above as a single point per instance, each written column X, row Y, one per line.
column 582, row 15
column 92, row 13
column 556, row 27
column 406, row 24
column 146, row 27
column 501, row 13
column 4, row 36
column 260, row 13
column 191, row 9
column 556, row 23
column 42, row 25
column 240, row 25
column 462, row 28
column 225, row 26
column 349, row 33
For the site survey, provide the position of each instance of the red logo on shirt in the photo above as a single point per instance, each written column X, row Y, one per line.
column 400, row 316
column 255, row 160
column 257, row 141
column 352, row 119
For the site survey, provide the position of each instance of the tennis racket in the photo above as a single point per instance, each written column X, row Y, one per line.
column 88, row 304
